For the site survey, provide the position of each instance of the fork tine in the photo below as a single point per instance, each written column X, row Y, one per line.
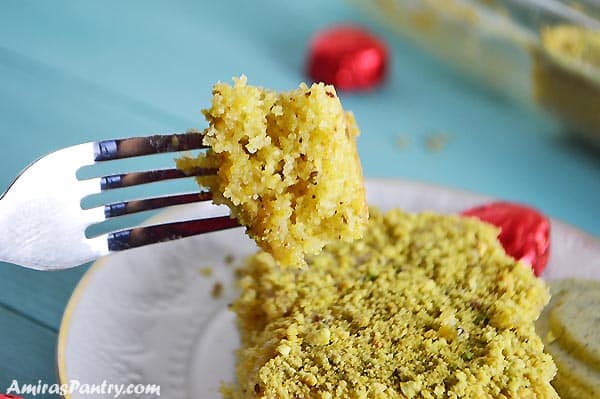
column 135, row 178
column 137, row 146
column 140, row 236
column 129, row 207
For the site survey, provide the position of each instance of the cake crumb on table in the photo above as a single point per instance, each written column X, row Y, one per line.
column 437, row 141
column 402, row 141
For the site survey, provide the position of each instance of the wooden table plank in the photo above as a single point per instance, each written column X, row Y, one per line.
column 40, row 296
column 112, row 79
column 28, row 351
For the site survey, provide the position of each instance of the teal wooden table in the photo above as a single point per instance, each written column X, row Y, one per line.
column 77, row 71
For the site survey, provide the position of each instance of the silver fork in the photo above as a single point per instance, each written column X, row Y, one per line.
column 42, row 222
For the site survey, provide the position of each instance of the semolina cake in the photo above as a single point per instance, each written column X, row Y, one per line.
column 566, row 75
column 287, row 166
column 424, row 306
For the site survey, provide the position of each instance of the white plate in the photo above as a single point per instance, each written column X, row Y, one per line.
column 146, row 316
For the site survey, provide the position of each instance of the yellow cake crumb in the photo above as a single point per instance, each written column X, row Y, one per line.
column 217, row 290
column 402, row 141
column 437, row 141
column 206, row 271
column 229, row 259
column 287, row 166
column 424, row 306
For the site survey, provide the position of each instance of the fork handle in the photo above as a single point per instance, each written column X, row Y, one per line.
column 36, row 242
column 17, row 236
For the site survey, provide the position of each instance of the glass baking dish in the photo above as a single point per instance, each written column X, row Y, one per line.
column 545, row 53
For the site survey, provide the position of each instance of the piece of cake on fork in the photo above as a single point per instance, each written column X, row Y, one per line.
column 287, row 166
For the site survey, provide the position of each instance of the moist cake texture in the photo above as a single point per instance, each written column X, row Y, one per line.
column 287, row 166
column 424, row 306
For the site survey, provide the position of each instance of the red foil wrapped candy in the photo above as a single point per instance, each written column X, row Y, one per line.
column 348, row 57
column 524, row 232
